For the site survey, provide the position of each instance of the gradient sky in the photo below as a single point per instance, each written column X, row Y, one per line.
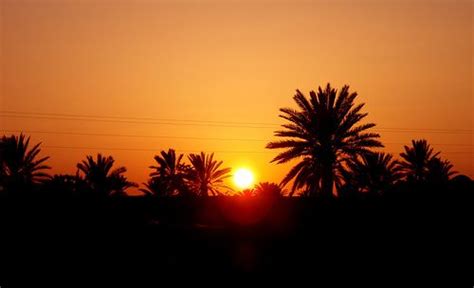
column 232, row 61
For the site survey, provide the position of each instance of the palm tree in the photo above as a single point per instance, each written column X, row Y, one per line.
column 169, row 176
column 101, row 179
column 372, row 173
column 249, row 192
column 63, row 185
column 439, row 171
column 205, row 176
column 323, row 136
column 416, row 159
column 19, row 166
column 266, row 189
column 155, row 187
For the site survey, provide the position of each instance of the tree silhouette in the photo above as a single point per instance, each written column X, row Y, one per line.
column 169, row 177
column 20, row 168
column 249, row 192
column 101, row 179
column 372, row 173
column 205, row 176
column 322, row 135
column 154, row 187
column 439, row 171
column 266, row 189
column 63, row 185
column 415, row 161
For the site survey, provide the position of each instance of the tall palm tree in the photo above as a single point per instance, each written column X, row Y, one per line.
column 101, row 179
column 323, row 135
column 168, row 178
column 415, row 160
column 20, row 166
column 205, row 175
column 372, row 173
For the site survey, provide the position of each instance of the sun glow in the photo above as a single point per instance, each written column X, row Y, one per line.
column 243, row 178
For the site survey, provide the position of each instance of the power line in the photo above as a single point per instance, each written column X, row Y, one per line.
column 187, row 122
column 131, row 135
column 435, row 144
column 139, row 118
column 132, row 122
column 182, row 137
column 153, row 150
column 196, row 151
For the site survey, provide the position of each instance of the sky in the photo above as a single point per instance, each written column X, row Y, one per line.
column 212, row 75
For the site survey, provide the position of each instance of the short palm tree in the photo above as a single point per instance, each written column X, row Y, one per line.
column 372, row 173
column 205, row 176
column 439, row 171
column 101, row 179
column 20, row 166
column 415, row 159
column 155, row 187
column 63, row 185
column 249, row 192
column 266, row 189
column 322, row 134
column 169, row 177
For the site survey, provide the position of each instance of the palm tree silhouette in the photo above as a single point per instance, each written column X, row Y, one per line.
column 101, row 179
column 20, row 167
column 205, row 176
column 415, row 160
column 323, row 135
column 169, row 176
column 439, row 171
column 249, row 192
column 267, row 189
column 372, row 173
column 63, row 185
column 154, row 187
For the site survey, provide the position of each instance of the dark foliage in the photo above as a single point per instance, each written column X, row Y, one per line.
column 20, row 167
column 322, row 135
column 266, row 189
column 205, row 177
column 101, row 179
column 169, row 177
column 372, row 173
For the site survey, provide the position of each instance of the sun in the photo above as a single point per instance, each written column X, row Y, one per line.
column 243, row 178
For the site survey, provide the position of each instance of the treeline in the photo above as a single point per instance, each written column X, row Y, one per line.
column 336, row 158
column 374, row 174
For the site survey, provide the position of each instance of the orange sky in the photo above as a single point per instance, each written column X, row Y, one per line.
column 232, row 61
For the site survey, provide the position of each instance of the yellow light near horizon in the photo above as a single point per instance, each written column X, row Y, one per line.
column 243, row 178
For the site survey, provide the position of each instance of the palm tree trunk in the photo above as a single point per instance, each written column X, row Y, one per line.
column 203, row 189
column 327, row 181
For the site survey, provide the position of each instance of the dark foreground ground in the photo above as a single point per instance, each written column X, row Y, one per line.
column 420, row 242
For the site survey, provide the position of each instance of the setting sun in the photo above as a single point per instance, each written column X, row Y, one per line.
column 243, row 178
